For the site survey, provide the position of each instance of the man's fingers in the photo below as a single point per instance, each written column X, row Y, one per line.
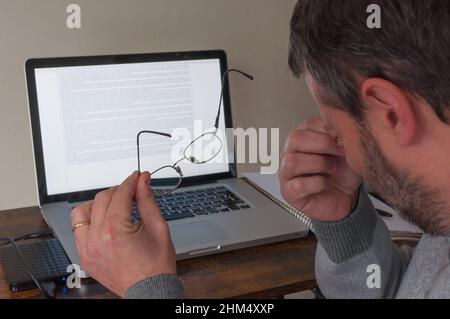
column 122, row 200
column 146, row 204
column 313, row 124
column 307, row 141
column 297, row 164
column 100, row 207
column 81, row 214
column 300, row 188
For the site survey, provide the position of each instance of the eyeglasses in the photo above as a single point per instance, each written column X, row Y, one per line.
column 189, row 152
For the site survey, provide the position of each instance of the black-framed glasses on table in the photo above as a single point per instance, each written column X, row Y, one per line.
column 189, row 151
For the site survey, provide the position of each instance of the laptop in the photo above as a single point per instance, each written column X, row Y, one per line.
column 85, row 113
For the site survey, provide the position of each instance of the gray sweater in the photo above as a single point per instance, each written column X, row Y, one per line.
column 351, row 256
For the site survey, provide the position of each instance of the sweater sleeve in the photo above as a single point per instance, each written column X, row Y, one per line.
column 158, row 287
column 356, row 258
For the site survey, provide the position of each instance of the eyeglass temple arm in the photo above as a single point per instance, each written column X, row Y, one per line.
column 138, row 142
column 224, row 78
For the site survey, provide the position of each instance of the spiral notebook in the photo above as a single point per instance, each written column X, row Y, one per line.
column 269, row 186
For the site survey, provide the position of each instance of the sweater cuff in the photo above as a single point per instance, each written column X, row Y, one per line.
column 351, row 236
column 158, row 287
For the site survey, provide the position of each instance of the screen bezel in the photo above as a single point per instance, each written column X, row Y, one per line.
column 33, row 64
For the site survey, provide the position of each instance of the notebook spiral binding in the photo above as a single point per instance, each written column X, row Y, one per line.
column 288, row 208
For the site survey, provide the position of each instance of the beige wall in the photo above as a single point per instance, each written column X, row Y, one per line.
column 253, row 32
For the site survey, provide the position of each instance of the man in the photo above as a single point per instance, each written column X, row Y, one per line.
column 384, row 99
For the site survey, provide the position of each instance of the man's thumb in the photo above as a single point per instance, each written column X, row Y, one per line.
column 146, row 204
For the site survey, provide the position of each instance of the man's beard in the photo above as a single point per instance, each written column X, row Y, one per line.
column 414, row 200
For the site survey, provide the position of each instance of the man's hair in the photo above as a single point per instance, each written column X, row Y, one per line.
column 331, row 41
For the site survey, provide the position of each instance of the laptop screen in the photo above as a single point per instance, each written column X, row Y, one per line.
column 89, row 117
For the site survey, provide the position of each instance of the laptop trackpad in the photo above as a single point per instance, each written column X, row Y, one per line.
column 201, row 233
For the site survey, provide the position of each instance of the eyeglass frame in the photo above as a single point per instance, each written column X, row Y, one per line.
column 191, row 159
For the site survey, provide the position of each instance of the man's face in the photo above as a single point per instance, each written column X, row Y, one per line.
column 402, row 189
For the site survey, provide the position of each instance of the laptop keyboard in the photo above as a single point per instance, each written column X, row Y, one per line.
column 191, row 203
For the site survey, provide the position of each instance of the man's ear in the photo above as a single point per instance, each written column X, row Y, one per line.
column 390, row 107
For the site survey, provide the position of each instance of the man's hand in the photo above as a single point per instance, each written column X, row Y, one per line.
column 314, row 176
column 116, row 252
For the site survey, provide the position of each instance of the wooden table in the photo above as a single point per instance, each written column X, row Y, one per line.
column 268, row 271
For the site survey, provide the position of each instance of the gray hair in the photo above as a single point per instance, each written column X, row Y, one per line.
column 330, row 40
